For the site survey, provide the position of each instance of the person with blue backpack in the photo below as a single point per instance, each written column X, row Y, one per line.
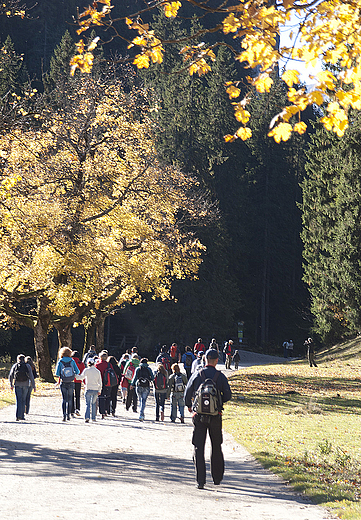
column 66, row 369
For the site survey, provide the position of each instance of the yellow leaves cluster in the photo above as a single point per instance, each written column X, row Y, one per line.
column 151, row 46
column 171, row 9
column 91, row 16
column 117, row 228
column 329, row 31
column 84, row 59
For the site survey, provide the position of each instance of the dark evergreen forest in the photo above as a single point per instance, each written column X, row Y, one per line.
column 251, row 276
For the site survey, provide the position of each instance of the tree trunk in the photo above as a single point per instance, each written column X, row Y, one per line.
column 99, row 332
column 41, row 328
column 89, row 331
column 64, row 334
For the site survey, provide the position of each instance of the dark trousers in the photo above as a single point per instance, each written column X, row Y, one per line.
column 104, row 401
column 113, row 398
column 159, row 403
column 67, row 391
column 76, row 396
column 214, row 427
column 132, row 399
column 188, row 371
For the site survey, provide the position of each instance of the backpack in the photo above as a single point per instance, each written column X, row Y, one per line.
column 207, row 399
column 129, row 373
column 143, row 377
column 188, row 360
column 21, row 373
column 160, row 381
column 67, row 372
column 173, row 351
column 179, row 383
column 110, row 378
column 165, row 362
column 227, row 349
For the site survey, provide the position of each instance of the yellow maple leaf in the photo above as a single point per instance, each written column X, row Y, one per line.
column 171, row 9
column 231, row 24
column 233, row 92
column 300, row 127
column 263, row 83
column 229, row 138
column 244, row 133
column 241, row 114
column 326, row 79
column 141, row 61
column 281, row 132
column 316, row 97
column 290, row 77
column 200, row 66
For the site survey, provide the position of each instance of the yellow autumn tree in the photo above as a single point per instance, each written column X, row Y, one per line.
column 90, row 219
column 326, row 30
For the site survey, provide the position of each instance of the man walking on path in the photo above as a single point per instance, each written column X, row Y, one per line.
column 210, row 420
column 21, row 376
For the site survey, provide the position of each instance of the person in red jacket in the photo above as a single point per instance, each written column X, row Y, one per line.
column 199, row 347
column 75, row 409
column 104, row 398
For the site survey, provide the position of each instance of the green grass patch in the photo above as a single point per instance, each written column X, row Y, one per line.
column 303, row 424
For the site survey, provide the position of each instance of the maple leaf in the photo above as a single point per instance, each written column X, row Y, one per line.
column 244, row 133
column 233, row 92
column 281, row 132
column 171, row 9
column 142, row 61
column 300, row 127
column 290, row 77
column 263, row 83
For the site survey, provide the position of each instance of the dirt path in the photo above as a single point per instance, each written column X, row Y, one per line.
column 121, row 468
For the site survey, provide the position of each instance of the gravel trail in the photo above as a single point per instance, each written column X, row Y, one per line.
column 121, row 468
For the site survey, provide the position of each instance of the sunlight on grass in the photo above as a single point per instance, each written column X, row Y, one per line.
column 303, row 424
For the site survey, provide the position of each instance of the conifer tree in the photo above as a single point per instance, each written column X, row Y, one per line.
column 332, row 231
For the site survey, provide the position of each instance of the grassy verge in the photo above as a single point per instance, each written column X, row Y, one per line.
column 303, row 423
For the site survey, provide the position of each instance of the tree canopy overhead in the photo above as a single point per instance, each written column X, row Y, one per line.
column 329, row 31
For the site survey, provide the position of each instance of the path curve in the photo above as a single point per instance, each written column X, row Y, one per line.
column 121, row 468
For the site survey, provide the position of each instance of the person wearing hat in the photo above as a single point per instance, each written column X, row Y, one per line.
column 210, row 423
column 198, row 362
column 93, row 387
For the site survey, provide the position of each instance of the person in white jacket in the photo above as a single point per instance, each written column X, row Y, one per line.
column 93, row 388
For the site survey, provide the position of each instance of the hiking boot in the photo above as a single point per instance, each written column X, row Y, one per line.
column 86, row 420
column 77, row 412
column 200, row 486
column 64, row 418
column 182, row 420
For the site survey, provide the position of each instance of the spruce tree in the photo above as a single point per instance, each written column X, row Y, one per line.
column 332, row 231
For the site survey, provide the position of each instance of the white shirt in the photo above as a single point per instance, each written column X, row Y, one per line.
column 93, row 378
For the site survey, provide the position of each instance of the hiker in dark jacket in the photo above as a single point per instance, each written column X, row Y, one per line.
column 114, row 389
column 22, row 379
column 143, row 376
column 161, row 388
column 210, row 423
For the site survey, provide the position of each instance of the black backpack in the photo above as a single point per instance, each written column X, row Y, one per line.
column 143, row 377
column 110, row 378
column 21, row 373
column 207, row 400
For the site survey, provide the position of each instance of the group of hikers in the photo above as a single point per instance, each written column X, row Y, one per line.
column 309, row 350
column 202, row 389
